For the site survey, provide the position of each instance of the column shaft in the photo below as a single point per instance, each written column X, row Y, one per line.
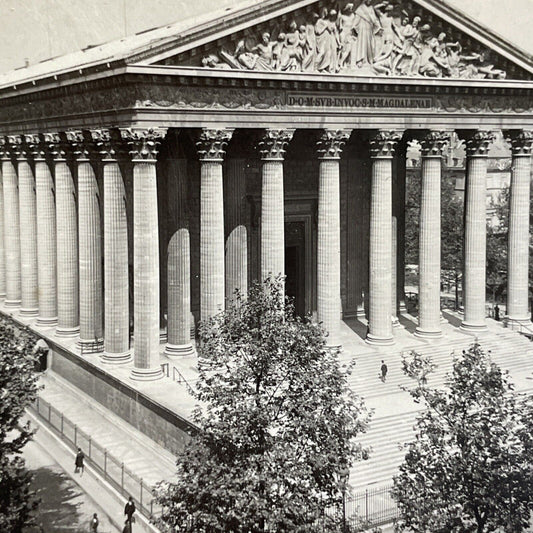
column 90, row 259
column 518, row 243
column 145, row 271
column 211, row 239
column 46, row 244
column 116, row 329
column 67, row 252
column 272, row 220
column 475, row 244
column 429, row 249
column 2, row 240
column 12, row 234
column 28, row 240
column 329, row 249
column 237, row 235
column 380, row 252
column 394, row 272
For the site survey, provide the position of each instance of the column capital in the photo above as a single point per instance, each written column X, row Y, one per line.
column 331, row 143
column 19, row 147
column 143, row 144
column 107, row 145
column 55, row 146
column 273, row 143
column 521, row 141
column 9, row 146
column 478, row 142
column 432, row 145
column 383, row 144
column 211, row 144
column 80, row 144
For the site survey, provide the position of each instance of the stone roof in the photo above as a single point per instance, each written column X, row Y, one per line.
column 144, row 46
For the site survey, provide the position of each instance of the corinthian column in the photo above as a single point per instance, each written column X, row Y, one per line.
column 272, row 148
column 429, row 236
column 116, row 282
column 28, row 229
column 90, row 241
column 329, row 150
column 518, row 240
column 477, row 147
column 211, row 150
column 382, row 148
column 46, row 235
column 11, row 224
column 143, row 146
column 2, row 233
column 68, row 323
column 179, row 270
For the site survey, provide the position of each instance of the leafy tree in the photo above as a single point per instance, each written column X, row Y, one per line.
column 276, row 422
column 469, row 468
column 18, row 388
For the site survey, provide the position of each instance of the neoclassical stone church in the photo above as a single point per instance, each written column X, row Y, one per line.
column 145, row 180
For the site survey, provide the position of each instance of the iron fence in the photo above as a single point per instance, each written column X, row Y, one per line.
column 372, row 507
column 108, row 466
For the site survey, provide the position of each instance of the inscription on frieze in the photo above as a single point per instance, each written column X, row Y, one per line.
column 357, row 101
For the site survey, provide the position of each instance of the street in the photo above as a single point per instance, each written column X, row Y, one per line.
column 64, row 507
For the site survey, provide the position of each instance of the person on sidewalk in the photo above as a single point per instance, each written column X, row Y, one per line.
column 94, row 524
column 129, row 509
column 78, row 463
column 384, row 371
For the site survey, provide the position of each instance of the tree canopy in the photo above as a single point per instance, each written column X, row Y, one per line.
column 18, row 388
column 469, row 467
column 276, row 421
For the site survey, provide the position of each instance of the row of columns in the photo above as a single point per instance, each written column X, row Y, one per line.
column 43, row 270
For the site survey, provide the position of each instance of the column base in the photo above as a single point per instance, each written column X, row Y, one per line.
column 396, row 322
column 87, row 346
column 525, row 321
column 473, row 328
column 163, row 337
column 117, row 358
column 146, row 374
column 29, row 312
column 379, row 341
column 177, row 351
column 12, row 303
column 67, row 332
column 428, row 334
column 46, row 322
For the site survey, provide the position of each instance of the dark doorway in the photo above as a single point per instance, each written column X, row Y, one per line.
column 295, row 265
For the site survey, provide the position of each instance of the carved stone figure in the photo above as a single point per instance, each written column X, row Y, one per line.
column 264, row 51
column 347, row 37
column 366, row 25
column 408, row 59
column 327, row 41
column 365, row 41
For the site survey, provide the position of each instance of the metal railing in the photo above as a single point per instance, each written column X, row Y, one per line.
column 520, row 327
column 176, row 376
column 109, row 467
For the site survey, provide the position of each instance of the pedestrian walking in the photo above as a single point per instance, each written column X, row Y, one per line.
column 497, row 313
column 94, row 524
column 384, row 371
column 78, row 463
column 129, row 509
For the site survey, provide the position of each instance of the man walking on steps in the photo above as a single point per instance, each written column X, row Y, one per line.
column 129, row 509
column 384, row 371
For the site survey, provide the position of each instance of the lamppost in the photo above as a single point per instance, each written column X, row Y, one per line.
column 344, row 474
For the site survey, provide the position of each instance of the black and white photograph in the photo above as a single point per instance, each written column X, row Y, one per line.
column 266, row 266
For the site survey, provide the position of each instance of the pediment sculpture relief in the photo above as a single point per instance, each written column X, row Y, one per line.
column 374, row 38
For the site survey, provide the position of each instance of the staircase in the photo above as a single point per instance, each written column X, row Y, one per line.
column 392, row 426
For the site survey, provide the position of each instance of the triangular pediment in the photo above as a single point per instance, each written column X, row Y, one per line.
column 418, row 38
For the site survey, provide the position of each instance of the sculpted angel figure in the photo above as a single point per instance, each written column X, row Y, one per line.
column 478, row 66
column 347, row 38
column 366, row 25
column 430, row 62
column 309, row 46
column 293, row 52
